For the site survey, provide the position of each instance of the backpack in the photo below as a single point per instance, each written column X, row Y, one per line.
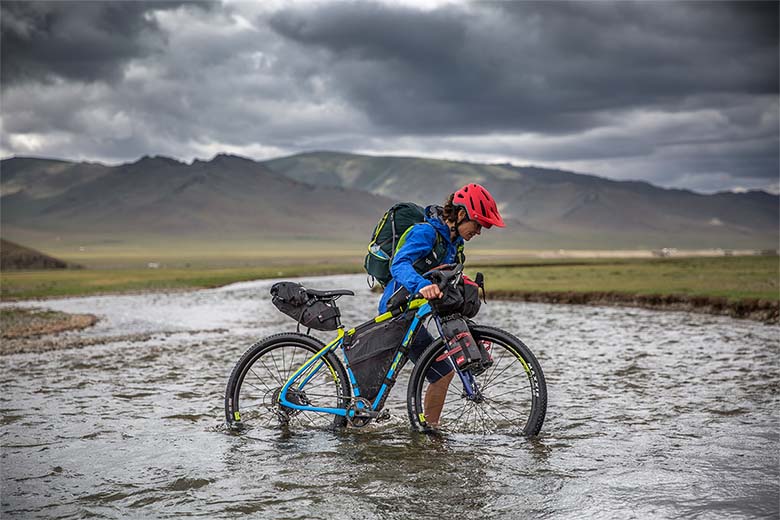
column 389, row 235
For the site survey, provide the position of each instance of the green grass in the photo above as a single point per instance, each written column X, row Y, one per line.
column 735, row 278
column 44, row 284
column 203, row 253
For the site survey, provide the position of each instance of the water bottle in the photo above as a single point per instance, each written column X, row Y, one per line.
column 377, row 251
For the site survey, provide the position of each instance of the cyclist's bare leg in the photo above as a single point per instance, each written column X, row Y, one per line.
column 434, row 399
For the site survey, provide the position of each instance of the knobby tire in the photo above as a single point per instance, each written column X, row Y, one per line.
column 251, row 396
column 513, row 391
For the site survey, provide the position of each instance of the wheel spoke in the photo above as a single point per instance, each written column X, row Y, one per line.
column 501, row 401
column 518, row 407
column 274, row 374
column 483, row 416
column 488, row 416
column 281, row 374
column 496, row 363
column 499, row 412
column 269, row 370
column 496, row 396
column 490, row 381
column 254, row 386
column 260, row 379
column 466, row 409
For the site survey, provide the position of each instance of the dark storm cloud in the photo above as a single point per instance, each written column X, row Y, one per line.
column 528, row 66
column 83, row 41
column 677, row 93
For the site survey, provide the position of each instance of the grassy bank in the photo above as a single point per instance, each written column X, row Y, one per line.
column 49, row 284
column 20, row 323
column 730, row 277
column 714, row 284
column 741, row 287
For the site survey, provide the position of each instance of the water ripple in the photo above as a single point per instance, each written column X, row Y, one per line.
column 651, row 415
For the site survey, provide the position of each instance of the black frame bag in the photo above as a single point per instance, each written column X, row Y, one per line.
column 292, row 299
column 370, row 351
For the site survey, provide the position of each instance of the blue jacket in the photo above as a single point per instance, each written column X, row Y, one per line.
column 419, row 243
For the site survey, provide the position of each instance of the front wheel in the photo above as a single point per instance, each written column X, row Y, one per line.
column 252, row 394
column 510, row 396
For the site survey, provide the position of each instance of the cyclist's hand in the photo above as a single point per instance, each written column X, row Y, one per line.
column 431, row 292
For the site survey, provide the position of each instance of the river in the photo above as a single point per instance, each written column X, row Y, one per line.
column 650, row 415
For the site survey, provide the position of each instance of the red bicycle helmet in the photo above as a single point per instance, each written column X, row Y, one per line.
column 479, row 205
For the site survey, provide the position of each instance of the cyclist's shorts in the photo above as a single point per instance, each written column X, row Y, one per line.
column 420, row 342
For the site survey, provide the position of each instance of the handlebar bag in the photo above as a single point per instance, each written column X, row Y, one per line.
column 460, row 295
column 471, row 301
column 292, row 299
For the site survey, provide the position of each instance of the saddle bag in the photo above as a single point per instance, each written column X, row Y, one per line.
column 370, row 351
column 292, row 299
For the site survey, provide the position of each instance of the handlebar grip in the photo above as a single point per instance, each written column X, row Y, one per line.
column 401, row 307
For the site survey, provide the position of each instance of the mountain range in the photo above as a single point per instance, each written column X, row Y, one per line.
column 337, row 196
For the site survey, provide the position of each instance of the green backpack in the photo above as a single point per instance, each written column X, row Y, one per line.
column 390, row 234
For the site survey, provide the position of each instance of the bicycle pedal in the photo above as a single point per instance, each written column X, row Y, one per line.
column 384, row 415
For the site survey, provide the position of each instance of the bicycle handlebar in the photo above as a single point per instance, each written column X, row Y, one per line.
column 437, row 276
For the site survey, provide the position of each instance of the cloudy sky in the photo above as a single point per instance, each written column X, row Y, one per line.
column 679, row 94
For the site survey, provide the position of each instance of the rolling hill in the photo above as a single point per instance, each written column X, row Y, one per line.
column 559, row 208
column 16, row 257
column 334, row 196
column 160, row 196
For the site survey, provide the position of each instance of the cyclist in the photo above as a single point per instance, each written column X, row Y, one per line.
column 439, row 240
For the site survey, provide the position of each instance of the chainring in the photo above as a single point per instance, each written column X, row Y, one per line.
column 357, row 420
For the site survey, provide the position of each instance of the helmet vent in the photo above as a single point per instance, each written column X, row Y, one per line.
column 479, row 205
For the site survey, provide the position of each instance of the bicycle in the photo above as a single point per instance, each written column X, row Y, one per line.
column 295, row 380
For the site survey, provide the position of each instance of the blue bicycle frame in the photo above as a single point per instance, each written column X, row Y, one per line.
column 315, row 363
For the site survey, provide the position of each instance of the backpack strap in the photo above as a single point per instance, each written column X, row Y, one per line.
column 432, row 259
column 460, row 256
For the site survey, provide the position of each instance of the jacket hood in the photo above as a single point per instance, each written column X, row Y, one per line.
column 433, row 215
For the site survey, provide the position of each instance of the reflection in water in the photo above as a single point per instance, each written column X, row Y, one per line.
column 660, row 415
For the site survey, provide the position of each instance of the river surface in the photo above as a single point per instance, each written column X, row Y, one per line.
column 650, row 415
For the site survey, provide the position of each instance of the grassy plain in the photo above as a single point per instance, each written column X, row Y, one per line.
column 205, row 253
column 47, row 284
column 732, row 277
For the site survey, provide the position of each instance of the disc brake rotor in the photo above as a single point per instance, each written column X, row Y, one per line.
column 294, row 396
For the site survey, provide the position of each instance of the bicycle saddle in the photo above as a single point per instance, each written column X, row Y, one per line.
column 326, row 295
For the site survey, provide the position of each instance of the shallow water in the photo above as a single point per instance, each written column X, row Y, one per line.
column 650, row 415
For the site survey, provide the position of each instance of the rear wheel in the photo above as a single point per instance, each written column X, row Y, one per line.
column 252, row 394
column 511, row 396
